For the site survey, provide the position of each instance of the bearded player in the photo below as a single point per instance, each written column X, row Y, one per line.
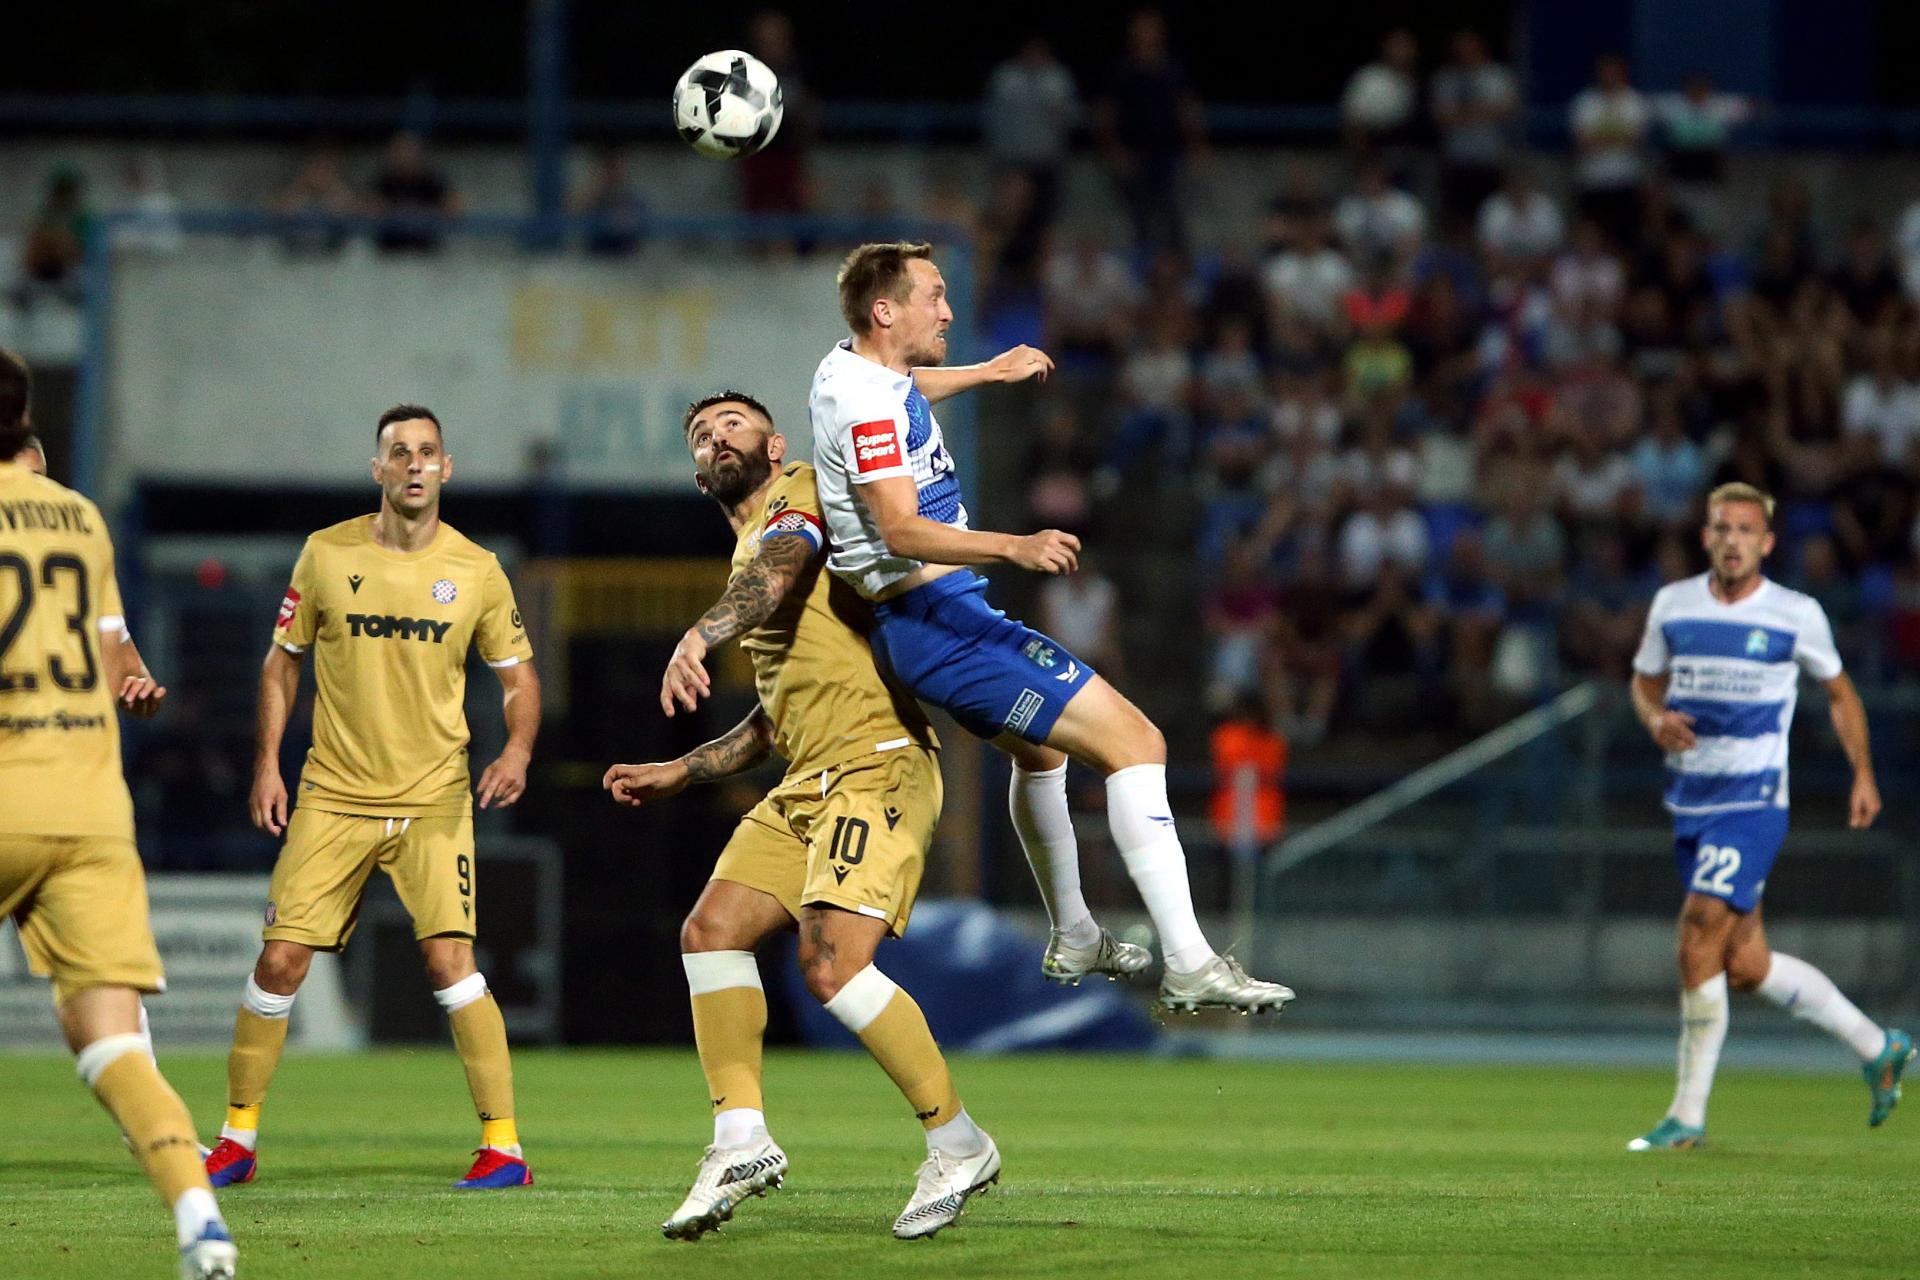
column 837, row 848
column 1715, row 683
column 900, row 536
column 70, row 877
column 389, row 604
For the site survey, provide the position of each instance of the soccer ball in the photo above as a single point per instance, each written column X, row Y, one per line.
column 727, row 104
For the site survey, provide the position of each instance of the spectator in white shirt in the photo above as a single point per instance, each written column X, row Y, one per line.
column 1090, row 298
column 1382, row 100
column 1309, row 279
column 1521, row 221
column 1697, row 123
column 1475, row 103
column 1384, row 532
column 1380, row 220
column 1881, row 402
column 1609, row 123
column 1030, row 112
column 1587, row 276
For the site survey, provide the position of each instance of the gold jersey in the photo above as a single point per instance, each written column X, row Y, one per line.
column 389, row 632
column 60, row 769
column 811, row 664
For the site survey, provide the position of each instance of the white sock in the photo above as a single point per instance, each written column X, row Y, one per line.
column 734, row 1127
column 1142, row 823
column 1038, row 804
column 1703, row 1029
column 959, row 1136
column 248, row 1138
column 1810, row 995
column 192, row 1212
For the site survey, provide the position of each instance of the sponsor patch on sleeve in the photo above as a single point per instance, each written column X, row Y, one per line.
column 288, row 607
column 876, row 446
column 799, row 523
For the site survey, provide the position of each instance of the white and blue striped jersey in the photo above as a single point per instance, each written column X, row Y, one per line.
column 1735, row 668
column 870, row 423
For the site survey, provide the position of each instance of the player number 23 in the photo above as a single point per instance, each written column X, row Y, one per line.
column 1714, row 868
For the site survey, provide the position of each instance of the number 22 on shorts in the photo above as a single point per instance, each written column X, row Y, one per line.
column 1714, row 869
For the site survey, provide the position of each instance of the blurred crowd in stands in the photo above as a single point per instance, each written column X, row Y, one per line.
column 1432, row 432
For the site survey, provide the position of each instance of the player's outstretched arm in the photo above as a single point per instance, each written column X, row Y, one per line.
column 895, row 504
column 736, row 751
column 134, row 686
column 1850, row 725
column 505, row 780
column 753, row 596
column 937, row 382
column 279, row 682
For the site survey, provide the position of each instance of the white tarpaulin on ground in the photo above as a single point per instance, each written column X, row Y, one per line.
column 239, row 363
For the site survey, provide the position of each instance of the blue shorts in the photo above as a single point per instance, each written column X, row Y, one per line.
column 949, row 646
column 1728, row 855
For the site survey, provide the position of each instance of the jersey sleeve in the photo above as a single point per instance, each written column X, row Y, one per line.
column 1813, row 646
column 501, row 634
column 1653, row 657
column 793, row 511
column 869, row 435
column 299, row 618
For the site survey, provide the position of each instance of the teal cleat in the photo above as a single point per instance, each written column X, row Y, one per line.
column 1670, row 1135
column 1883, row 1075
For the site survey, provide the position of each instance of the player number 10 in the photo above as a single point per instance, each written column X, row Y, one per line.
column 1714, row 869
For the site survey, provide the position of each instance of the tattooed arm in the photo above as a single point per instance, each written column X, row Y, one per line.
column 749, row 600
column 736, row 751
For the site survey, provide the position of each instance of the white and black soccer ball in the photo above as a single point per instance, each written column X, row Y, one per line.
column 727, row 104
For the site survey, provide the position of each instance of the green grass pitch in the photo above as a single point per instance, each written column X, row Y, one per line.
column 1114, row 1167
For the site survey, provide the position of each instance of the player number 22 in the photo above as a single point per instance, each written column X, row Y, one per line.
column 1714, row 868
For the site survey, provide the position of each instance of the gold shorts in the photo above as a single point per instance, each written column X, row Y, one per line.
column 324, row 864
column 854, row 836
column 80, row 903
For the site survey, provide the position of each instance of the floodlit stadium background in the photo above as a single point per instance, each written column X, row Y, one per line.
column 1344, row 428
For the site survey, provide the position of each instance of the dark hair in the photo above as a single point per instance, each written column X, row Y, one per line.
column 705, row 403
column 872, row 272
column 404, row 412
column 16, row 396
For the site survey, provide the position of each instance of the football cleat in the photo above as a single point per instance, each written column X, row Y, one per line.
column 1670, row 1135
column 494, row 1168
column 1221, row 984
column 230, row 1163
column 1064, row 962
column 211, row 1257
column 944, row 1185
column 1883, row 1075
column 728, row 1176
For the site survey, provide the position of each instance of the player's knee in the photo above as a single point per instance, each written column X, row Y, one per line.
column 702, row 932
column 1746, row 973
column 1137, row 741
column 282, row 969
column 818, row 971
column 448, row 965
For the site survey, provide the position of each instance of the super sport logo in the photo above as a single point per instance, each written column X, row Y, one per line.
column 876, row 446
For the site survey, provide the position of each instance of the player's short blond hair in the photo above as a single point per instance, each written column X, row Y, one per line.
column 872, row 272
column 1739, row 491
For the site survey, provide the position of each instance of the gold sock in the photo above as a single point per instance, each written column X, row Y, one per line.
column 133, row 1091
column 257, row 1043
column 902, row 1043
column 728, row 1028
column 480, row 1038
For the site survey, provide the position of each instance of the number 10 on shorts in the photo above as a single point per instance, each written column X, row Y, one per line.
column 1714, row 869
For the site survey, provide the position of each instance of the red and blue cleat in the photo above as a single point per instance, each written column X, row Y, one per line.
column 229, row 1163
column 495, row 1168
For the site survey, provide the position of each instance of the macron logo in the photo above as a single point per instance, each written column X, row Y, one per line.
column 876, row 446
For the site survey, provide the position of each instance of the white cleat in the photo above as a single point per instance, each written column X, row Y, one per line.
column 211, row 1257
column 1110, row 956
column 945, row 1183
column 728, row 1175
column 1221, row 984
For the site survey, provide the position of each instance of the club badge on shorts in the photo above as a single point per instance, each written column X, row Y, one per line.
column 444, row 592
